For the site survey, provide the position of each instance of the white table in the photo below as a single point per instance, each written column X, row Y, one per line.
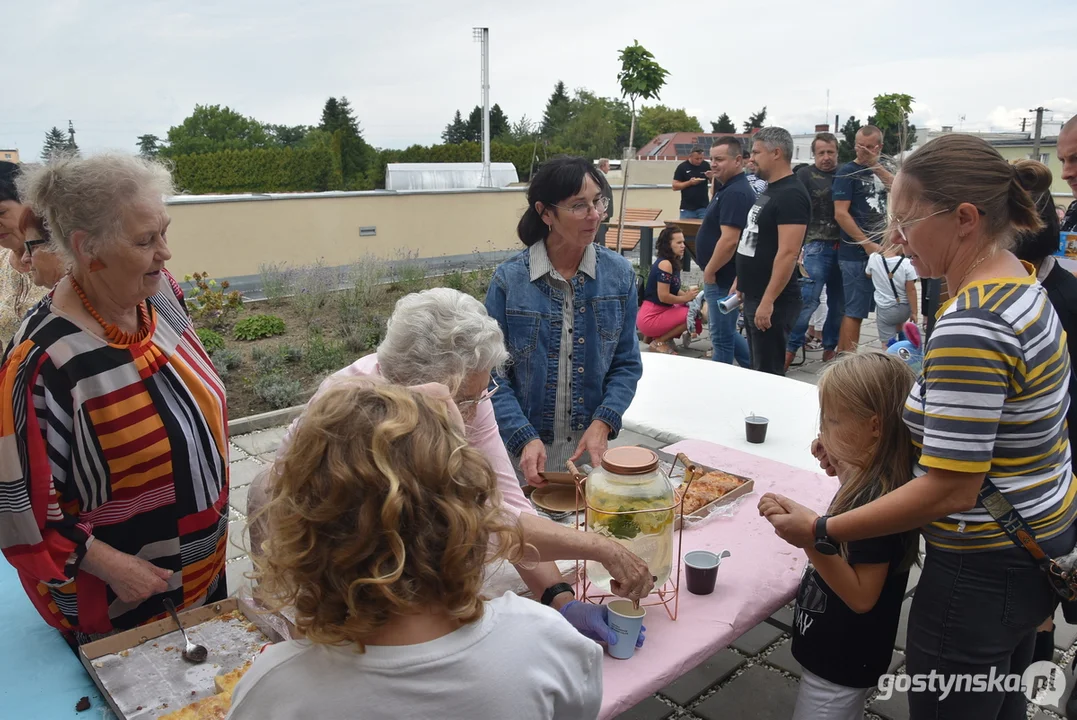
column 718, row 398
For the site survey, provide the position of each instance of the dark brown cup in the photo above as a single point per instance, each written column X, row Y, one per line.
column 755, row 429
column 701, row 571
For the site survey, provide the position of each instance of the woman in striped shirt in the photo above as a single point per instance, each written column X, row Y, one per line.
column 991, row 403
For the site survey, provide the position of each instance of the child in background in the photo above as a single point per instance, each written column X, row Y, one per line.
column 380, row 522
column 895, row 292
column 850, row 596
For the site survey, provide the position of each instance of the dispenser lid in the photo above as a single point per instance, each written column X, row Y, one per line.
column 630, row 460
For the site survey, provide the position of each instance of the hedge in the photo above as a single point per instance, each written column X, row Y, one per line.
column 261, row 170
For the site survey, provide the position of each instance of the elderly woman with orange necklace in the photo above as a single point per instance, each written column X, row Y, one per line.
column 113, row 427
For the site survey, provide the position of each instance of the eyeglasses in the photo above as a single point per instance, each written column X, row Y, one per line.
column 581, row 210
column 900, row 226
column 31, row 244
column 486, row 395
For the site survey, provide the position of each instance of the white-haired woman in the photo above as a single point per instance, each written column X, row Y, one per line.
column 113, row 433
column 446, row 337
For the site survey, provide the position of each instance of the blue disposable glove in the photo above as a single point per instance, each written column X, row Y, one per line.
column 592, row 621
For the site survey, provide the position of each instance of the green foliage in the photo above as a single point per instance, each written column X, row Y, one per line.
column 657, row 119
column 723, row 125
column 640, row 76
column 211, row 340
column 262, row 170
column 56, row 141
column 287, row 135
column 225, row 360
column 456, row 131
column 324, row 355
column 354, row 154
column 892, row 117
column 209, row 303
column 256, row 327
column 847, row 141
column 756, row 120
column 290, row 354
column 558, row 112
column 276, row 390
column 598, row 126
column 312, row 287
column 276, row 282
column 265, row 359
column 408, row 272
column 211, row 129
column 149, row 146
column 472, row 129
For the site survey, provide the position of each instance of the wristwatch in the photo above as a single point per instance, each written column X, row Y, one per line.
column 823, row 542
column 555, row 590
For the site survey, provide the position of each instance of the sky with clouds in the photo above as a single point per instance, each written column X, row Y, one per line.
column 121, row 68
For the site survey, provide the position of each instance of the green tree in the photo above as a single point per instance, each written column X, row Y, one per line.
column 657, row 119
column 456, row 131
column 212, row 128
column 55, row 142
column 558, row 111
column 523, row 130
column 723, row 125
column 756, row 120
column 596, row 125
column 499, row 123
column 892, row 117
column 287, row 135
column 149, row 146
column 355, row 155
column 847, row 144
column 640, row 77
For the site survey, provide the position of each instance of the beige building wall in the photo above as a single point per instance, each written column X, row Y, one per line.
column 1020, row 152
column 11, row 156
column 233, row 236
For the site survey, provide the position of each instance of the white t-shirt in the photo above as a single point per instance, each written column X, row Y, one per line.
column 521, row 660
column 879, row 267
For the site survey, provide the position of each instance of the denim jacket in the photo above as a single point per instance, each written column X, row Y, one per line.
column 606, row 363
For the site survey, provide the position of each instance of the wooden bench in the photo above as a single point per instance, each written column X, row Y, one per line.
column 630, row 237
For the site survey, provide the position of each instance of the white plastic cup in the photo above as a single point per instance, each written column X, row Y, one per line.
column 626, row 621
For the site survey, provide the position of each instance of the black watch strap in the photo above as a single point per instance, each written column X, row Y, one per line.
column 555, row 590
column 820, row 527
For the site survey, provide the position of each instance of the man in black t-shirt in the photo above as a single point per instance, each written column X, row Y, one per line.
column 768, row 250
column 691, row 179
column 820, row 255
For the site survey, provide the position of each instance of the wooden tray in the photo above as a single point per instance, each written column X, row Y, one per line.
column 746, row 488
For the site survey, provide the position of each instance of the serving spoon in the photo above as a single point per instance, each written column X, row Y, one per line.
column 192, row 653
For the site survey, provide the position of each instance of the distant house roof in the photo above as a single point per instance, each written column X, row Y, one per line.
column 1024, row 142
column 677, row 146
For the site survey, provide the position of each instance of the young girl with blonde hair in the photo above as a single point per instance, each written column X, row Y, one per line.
column 380, row 522
column 850, row 596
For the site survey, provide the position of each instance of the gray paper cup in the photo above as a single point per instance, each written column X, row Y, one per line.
column 626, row 622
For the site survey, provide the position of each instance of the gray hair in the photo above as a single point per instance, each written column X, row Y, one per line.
column 91, row 194
column 776, row 138
column 440, row 335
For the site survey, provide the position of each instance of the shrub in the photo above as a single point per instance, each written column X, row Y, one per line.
column 455, row 281
column 365, row 334
column 212, row 340
column 209, row 303
column 290, row 354
column 312, row 287
column 257, row 327
column 257, row 170
column 276, row 390
column 225, row 360
column 324, row 355
column 408, row 272
column 366, row 276
column 266, row 360
column 277, row 282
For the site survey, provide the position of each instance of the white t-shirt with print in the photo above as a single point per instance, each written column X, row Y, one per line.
column 878, row 269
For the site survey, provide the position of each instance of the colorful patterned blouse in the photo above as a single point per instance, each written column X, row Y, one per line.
column 123, row 444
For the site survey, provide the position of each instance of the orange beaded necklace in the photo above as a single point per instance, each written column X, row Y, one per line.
column 113, row 334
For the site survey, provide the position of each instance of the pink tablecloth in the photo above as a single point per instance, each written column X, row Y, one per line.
column 760, row 576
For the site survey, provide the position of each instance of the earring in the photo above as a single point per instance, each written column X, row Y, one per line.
column 96, row 265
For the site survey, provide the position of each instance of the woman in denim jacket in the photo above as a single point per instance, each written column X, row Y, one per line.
column 568, row 309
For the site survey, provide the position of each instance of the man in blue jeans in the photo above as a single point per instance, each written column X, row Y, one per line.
column 860, row 194
column 716, row 242
column 692, row 179
column 820, row 254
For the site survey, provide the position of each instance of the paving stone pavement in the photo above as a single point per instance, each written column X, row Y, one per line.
column 757, row 677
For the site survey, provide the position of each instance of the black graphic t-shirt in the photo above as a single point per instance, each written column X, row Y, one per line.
column 867, row 196
column 784, row 202
column 823, row 226
column 697, row 196
column 842, row 646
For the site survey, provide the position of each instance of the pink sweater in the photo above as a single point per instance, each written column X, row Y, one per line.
column 482, row 434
